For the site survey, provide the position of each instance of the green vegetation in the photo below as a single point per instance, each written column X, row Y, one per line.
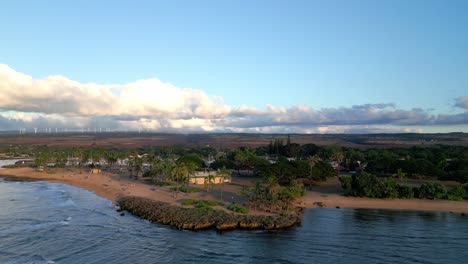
column 282, row 158
column 268, row 196
column 238, row 209
column 186, row 189
column 369, row 185
column 432, row 190
column 405, row 192
column 279, row 167
column 201, row 203
column 162, row 183
column 456, row 194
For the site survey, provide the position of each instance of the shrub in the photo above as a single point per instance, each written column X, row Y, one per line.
column 456, row 193
column 189, row 202
column 162, row 183
column 322, row 170
column 405, row 192
column 346, row 182
column 186, row 189
column 201, row 203
column 290, row 193
column 432, row 190
column 390, row 189
column 366, row 185
column 238, row 209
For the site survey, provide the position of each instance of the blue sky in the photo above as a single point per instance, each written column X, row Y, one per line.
column 319, row 54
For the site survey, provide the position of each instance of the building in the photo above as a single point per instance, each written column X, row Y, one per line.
column 24, row 163
column 73, row 162
column 201, row 177
column 95, row 171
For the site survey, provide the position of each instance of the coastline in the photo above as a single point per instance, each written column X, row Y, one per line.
column 157, row 204
column 335, row 200
column 112, row 186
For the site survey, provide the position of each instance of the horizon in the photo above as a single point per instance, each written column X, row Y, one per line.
column 277, row 67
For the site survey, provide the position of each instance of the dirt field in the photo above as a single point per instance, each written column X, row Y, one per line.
column 135, row 140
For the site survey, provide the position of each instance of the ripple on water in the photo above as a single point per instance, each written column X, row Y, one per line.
column 69, row 225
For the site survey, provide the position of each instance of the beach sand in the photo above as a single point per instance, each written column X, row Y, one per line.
column 112, row 185
column 328, row 194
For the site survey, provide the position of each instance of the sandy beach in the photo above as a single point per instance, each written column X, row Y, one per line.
column 112, row 185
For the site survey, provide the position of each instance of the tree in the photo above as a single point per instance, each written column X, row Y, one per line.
column 189, row 158
column 209, row 181
column 224, row 174
column 178, row 171
column 312, row 160
column 136, row 164
column 42, row 158
column 111, row 157
column 432, row 190
column 322, row 170
column 191, row 167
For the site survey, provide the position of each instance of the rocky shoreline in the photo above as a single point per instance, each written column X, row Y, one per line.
column 195, row 219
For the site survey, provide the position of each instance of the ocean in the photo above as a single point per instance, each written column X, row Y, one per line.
column 42, row 222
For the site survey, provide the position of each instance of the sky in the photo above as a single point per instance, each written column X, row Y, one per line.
column 349, row 66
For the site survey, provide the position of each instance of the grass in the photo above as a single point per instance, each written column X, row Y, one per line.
column 238, row 209
column 202, row 205
column 198, row 203
column 162, row 183
column 186, row 189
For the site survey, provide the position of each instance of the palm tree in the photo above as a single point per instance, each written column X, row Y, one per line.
column 135, row 163
column 178, row 171
column 224, row 174
column 138, row 163
column 191, row 167
column 312, row 161
column 111, row 157
column 272, row 182
column 209, row 181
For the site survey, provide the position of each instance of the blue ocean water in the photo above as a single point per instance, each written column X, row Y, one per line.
column 42, row 222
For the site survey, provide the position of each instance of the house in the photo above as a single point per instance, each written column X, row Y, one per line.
column 201, row 177
column 245, row 173
column 24, row 163
column 209, row 160
column 122, row 162
column 73, row 162
column 95, row 171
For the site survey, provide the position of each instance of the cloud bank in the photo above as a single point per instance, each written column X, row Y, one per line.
column 58, row 102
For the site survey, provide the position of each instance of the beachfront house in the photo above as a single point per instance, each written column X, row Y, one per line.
column 122, row 162
column 73, row 162
column 24, row 163
column 95, row 171
column 202, row 177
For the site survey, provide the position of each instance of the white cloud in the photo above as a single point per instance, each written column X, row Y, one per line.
column 57, row 101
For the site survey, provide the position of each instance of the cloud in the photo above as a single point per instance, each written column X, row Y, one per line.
column 56, row 101
column 144, row 98
column 462, row 102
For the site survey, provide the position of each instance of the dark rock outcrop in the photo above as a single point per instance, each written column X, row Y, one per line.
column 196, row 219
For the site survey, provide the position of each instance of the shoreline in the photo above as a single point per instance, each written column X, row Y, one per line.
column 112, row 186
column 313, row 199
column 157, row 204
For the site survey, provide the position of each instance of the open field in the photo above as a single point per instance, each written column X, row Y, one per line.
column 135, row 140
